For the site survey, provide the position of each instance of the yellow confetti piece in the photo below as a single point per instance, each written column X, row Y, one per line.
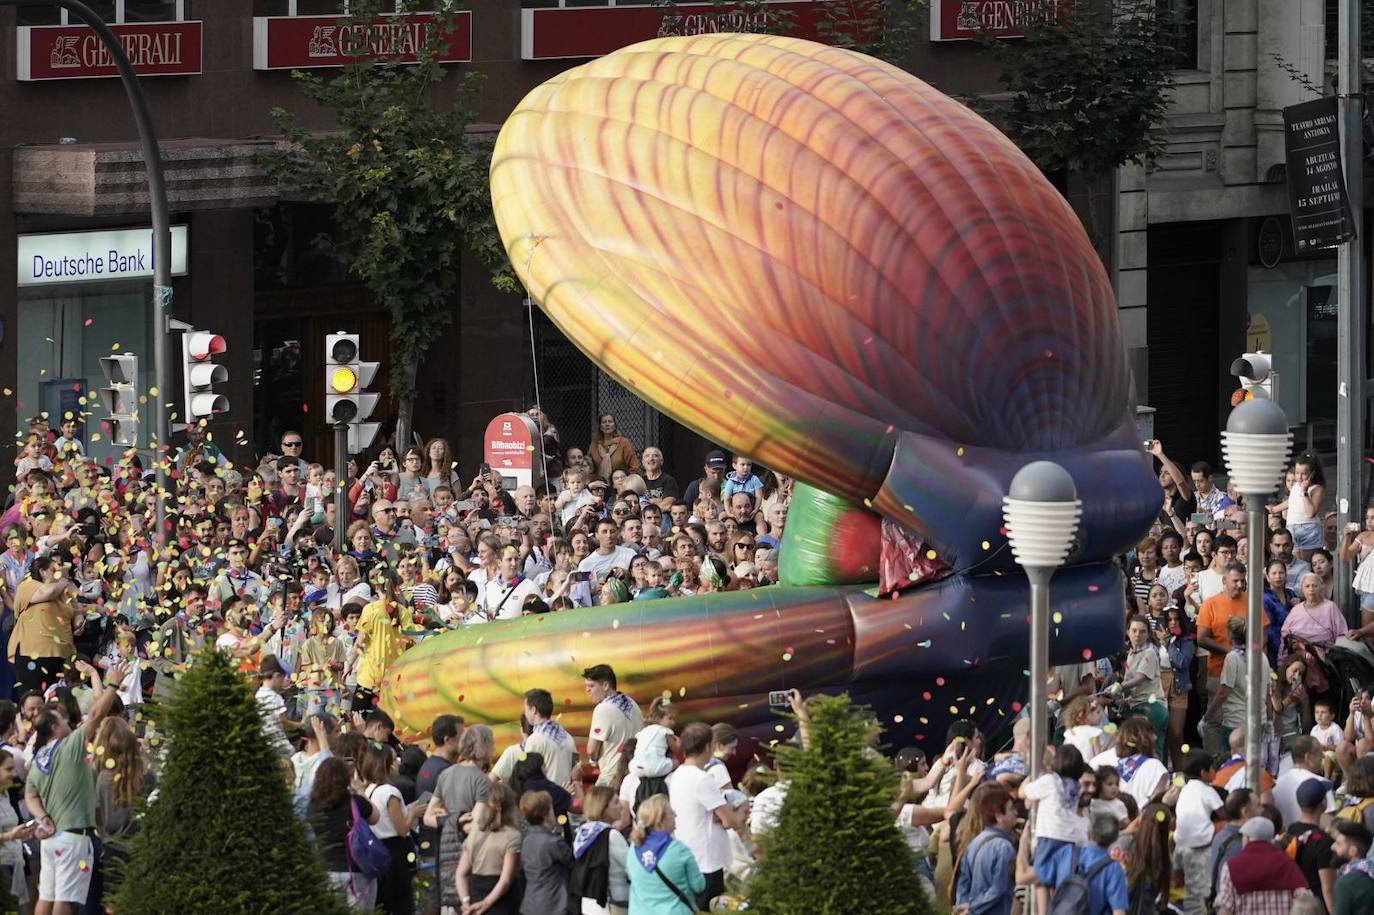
column 114, row 347
column 152, row 392
column 1057, row 617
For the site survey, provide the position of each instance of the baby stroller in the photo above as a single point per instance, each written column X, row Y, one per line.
column 1351, row 668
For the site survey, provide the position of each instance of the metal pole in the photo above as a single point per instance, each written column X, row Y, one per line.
column 162, row 240
column 1039, row 664
column 1351, row 305
column 1036, row 699
column 1255, row 692
column 340, row 498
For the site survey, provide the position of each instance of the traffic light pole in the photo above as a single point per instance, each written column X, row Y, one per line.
column 340, row 481
column 162, row 238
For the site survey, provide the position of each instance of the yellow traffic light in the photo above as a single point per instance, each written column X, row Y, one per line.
column 343, row 380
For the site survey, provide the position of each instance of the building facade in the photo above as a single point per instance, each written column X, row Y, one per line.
column 73, row 203
column 1205, row 264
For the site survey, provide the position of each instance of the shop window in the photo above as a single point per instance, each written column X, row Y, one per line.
column 340, row 7
column 111, row 11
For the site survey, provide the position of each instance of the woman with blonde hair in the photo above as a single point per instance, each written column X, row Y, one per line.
column 491, row 857
column 599, row 851
column 663, row 874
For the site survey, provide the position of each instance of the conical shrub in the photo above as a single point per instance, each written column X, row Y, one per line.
column 836, row 849
column 220, row 836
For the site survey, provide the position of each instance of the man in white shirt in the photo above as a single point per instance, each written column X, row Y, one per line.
column 702, row 814
column 615, row 720
column 548, row 738
column 608, row 554
column 1209, row 580
column 1307, row 765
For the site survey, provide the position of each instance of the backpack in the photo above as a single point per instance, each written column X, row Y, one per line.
column 366, row 853
column 1354, row 813
column 1219, row 860
column 1293, row 843
column 1073, row 895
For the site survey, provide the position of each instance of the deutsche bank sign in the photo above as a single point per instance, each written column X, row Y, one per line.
column 93, row 257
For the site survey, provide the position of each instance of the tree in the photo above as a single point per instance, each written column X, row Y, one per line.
column 836, row 849
column 407, row 185
column 221, row 835
column 1089, row 87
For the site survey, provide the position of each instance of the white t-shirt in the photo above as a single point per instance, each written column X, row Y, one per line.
column 270, row 706
column 613, row 727
column 1054, row 820
column 1115, row 807
column 1173, row 578
column 940, row 796
column 1086, row 738
column 767, row 807
column 1196, row 802
column 695, row 798
column 1208, row 585
column 1330, row 736
column 509, row 598
column 1286, row 794
column 917, row 837
column 620, row 558
column 558, row 757
column 380, row 796
column 1143, row 781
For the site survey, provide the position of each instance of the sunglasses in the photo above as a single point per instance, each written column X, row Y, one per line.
column 291, row 444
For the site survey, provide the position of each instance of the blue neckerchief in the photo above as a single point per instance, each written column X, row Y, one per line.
column 586, row 835
column 1127, row 767
column 622, row 703
column 554, row 731
column 651, row 852
column 43, row 758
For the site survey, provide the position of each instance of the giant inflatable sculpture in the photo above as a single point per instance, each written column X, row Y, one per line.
column 817, row 260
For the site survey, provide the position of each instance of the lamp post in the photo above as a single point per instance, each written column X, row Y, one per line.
column 1041, row 512
column 162, row 240
column 1255, row 448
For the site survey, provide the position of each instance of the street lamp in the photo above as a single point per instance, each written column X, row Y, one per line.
column 1041, row 512
column 162, row 241
column 1255, row 448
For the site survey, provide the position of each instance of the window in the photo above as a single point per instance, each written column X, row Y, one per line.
column 111, row 11
column 1181, row 17
column 335, row 7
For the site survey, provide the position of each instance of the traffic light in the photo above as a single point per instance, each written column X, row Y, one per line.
column 1257, row 377
column 200, row 374
column 346, row 402
column 119, row 397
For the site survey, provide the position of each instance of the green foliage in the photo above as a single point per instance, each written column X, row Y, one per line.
column 407, row 184
column 885, row 29
column 881, row 28
column 836, row 849
column 221, row 835
column 1090, row 88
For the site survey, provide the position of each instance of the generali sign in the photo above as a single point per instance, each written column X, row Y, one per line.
column 306, row 42
column 960, row 20
column 591, row 31
column 76, row 52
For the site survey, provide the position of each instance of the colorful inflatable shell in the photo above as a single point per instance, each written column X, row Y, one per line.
column 816, row 259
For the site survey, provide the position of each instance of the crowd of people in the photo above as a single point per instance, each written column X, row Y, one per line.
column 100, row 614
column 1143, row 807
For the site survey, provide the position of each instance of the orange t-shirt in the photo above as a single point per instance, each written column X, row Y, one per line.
column 1212, row 615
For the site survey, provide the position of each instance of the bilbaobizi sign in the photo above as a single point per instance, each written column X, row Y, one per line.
column 1317, row 199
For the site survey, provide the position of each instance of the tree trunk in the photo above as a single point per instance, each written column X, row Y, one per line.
column 407, row 369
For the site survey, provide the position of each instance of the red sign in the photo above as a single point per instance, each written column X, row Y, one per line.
column 76, row 52
column 960, row 20
column 508, row 446
column 306, row 42
column 591, row 31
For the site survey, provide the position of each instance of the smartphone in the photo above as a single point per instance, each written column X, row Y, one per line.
column 274, row 522
column 777, row 698
column 1200, row 518
column 581, row 576
column 383, row 465
column 484, row 468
